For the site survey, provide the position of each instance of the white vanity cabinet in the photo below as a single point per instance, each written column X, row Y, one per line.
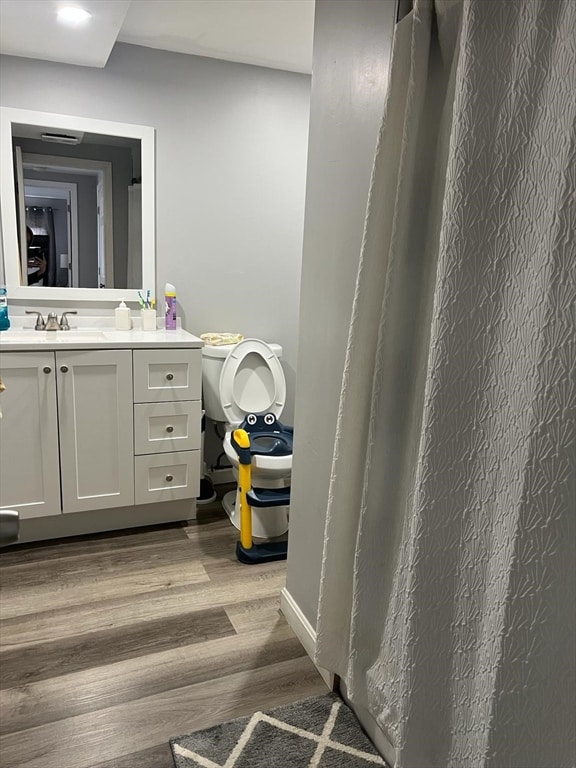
column 29, row 462
column 96, row 429
column 97, row 436
column 66, row 437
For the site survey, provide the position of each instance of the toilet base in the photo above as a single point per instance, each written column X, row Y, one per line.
column 267, row 522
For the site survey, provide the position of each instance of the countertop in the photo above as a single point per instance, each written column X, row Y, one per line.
column 91, row 333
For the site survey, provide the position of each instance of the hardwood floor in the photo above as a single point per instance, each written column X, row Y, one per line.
column 112, row 643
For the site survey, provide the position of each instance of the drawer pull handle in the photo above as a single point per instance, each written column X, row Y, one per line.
column 169, row 478
column 47, row 369
column 64, row 368
column 169, row 428
column 169, row 376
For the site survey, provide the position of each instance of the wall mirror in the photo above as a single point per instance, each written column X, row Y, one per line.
column 78, row 207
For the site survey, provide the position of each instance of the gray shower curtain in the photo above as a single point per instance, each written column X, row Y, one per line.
column 448, row 575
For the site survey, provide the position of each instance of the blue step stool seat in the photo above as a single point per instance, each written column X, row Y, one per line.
column 262, row 553
column 269, row 497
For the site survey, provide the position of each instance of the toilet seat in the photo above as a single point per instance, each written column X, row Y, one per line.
column 254, row 361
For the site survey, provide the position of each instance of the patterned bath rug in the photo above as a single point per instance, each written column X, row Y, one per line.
column 320, row 732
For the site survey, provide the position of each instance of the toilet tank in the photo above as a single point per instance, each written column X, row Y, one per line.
column 212, row 362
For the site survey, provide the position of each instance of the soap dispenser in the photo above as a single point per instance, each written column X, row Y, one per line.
column 123, row 317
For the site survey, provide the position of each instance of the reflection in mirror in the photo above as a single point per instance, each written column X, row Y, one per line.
column 79, row 207
column 78, row 210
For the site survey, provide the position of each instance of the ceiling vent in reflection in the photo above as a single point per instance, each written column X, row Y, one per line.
column 60, row 138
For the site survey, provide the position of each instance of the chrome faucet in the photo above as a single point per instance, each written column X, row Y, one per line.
column 40, row 324
column 52, row 323
column 64, row 325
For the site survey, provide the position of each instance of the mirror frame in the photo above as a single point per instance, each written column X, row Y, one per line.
column 11, row 250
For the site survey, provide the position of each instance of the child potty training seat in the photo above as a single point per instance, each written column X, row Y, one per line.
column 268, row 436
column 252, row 394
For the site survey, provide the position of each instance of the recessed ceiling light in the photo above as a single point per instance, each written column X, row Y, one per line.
column 71, row 14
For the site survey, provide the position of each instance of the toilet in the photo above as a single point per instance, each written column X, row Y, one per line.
column 244, row 385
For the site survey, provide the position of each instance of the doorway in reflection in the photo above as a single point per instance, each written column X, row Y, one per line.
column 52, row 232
column 52, row 211
column 41, row 246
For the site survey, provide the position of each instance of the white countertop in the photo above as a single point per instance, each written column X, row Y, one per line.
column 91, row 333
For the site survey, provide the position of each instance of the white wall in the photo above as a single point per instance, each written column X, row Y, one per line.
column 352, row 45
column 231, row 142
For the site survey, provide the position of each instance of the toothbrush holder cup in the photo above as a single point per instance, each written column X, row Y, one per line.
column 148, row 319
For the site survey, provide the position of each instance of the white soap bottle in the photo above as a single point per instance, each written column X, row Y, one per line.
column 123, row 317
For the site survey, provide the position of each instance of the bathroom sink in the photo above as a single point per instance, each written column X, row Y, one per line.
column 19, row 335
column 75, row 335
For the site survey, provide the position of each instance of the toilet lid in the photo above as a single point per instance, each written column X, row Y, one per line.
column 251, row 381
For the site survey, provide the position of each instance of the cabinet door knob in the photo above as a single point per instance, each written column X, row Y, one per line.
column 47, row 369
column 169, row 428
column 169, row 478
column 169, row 376
column 64, row 368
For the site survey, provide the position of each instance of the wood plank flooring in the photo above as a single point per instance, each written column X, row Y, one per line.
column 112, row 643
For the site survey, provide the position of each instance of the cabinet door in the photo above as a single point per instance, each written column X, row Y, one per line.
column 29, row 468
column 96, row 429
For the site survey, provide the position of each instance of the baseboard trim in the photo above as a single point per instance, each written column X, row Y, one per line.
column 375, row 733
column 307, row 636
column 59, row 526
column 304, row 632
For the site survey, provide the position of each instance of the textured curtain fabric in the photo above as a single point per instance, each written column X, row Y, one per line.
column 447, row 595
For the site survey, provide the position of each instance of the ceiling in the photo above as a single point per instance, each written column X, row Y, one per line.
column 268, row 33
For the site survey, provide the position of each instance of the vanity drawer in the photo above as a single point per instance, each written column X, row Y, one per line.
column 163, row 427
column 166, row 477
column 164, row 375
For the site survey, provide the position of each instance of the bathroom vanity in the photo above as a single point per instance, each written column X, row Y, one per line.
column 101, row 429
